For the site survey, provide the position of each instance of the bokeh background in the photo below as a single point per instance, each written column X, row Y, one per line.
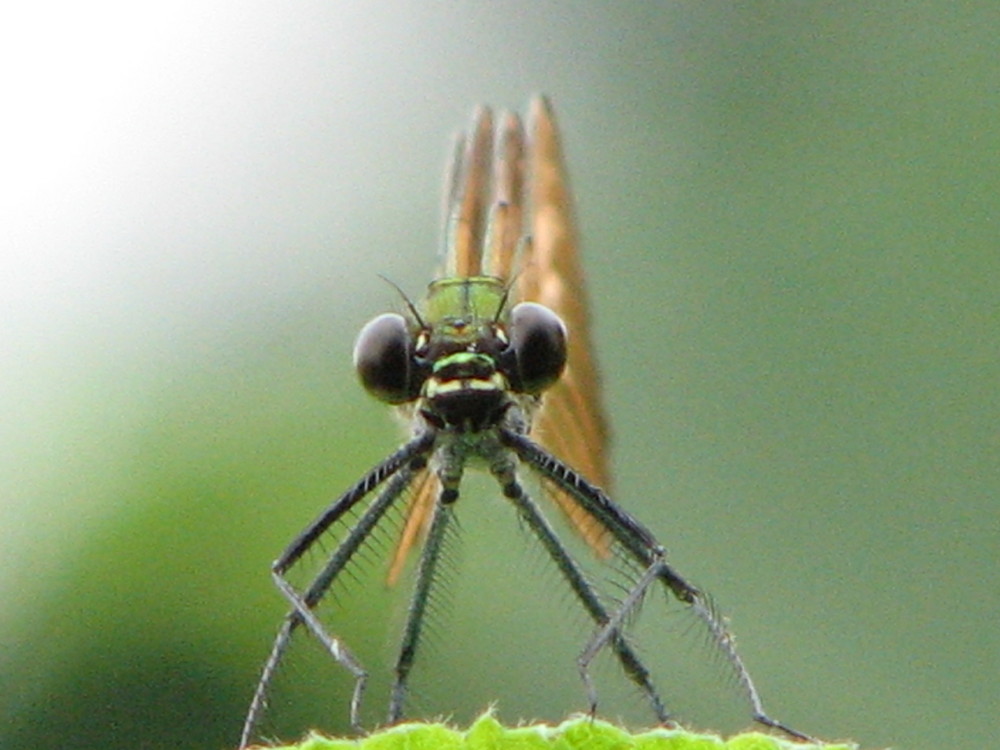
column 790, row 217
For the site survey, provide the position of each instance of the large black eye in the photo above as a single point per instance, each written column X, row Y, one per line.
column 383, row 357
column 538, row 340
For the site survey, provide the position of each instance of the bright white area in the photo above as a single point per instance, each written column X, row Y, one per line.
column 169, row 172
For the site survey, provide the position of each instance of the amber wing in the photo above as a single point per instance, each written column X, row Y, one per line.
column 572, row 422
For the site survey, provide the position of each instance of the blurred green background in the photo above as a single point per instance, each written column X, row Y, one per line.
column 790, row 218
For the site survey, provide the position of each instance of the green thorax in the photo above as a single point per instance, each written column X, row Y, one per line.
column 463, row 310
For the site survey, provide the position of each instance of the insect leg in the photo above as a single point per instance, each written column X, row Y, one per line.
column 429, row 557
column 640, row 543
column 401, row 466
column 587, row 595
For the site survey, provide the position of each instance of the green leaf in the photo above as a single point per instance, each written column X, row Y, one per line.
column 577, row 733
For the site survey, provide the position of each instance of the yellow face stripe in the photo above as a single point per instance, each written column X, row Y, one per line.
column 435, row 387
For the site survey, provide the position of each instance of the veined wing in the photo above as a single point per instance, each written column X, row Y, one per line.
column 572, row 423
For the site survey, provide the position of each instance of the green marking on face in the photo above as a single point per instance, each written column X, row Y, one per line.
column 460, row 305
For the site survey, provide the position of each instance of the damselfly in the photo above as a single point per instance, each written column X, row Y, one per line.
column 494, row 370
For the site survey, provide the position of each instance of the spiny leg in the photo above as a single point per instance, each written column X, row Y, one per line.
column 721, row 636
column 303, row 606
column 403, row 463
column 429, row 558
column 258, row 703
column 640, row 543
column 611, row 627
column 585, row 592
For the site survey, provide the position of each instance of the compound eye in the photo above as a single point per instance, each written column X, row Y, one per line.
column 383, row 357
column 538, row 340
